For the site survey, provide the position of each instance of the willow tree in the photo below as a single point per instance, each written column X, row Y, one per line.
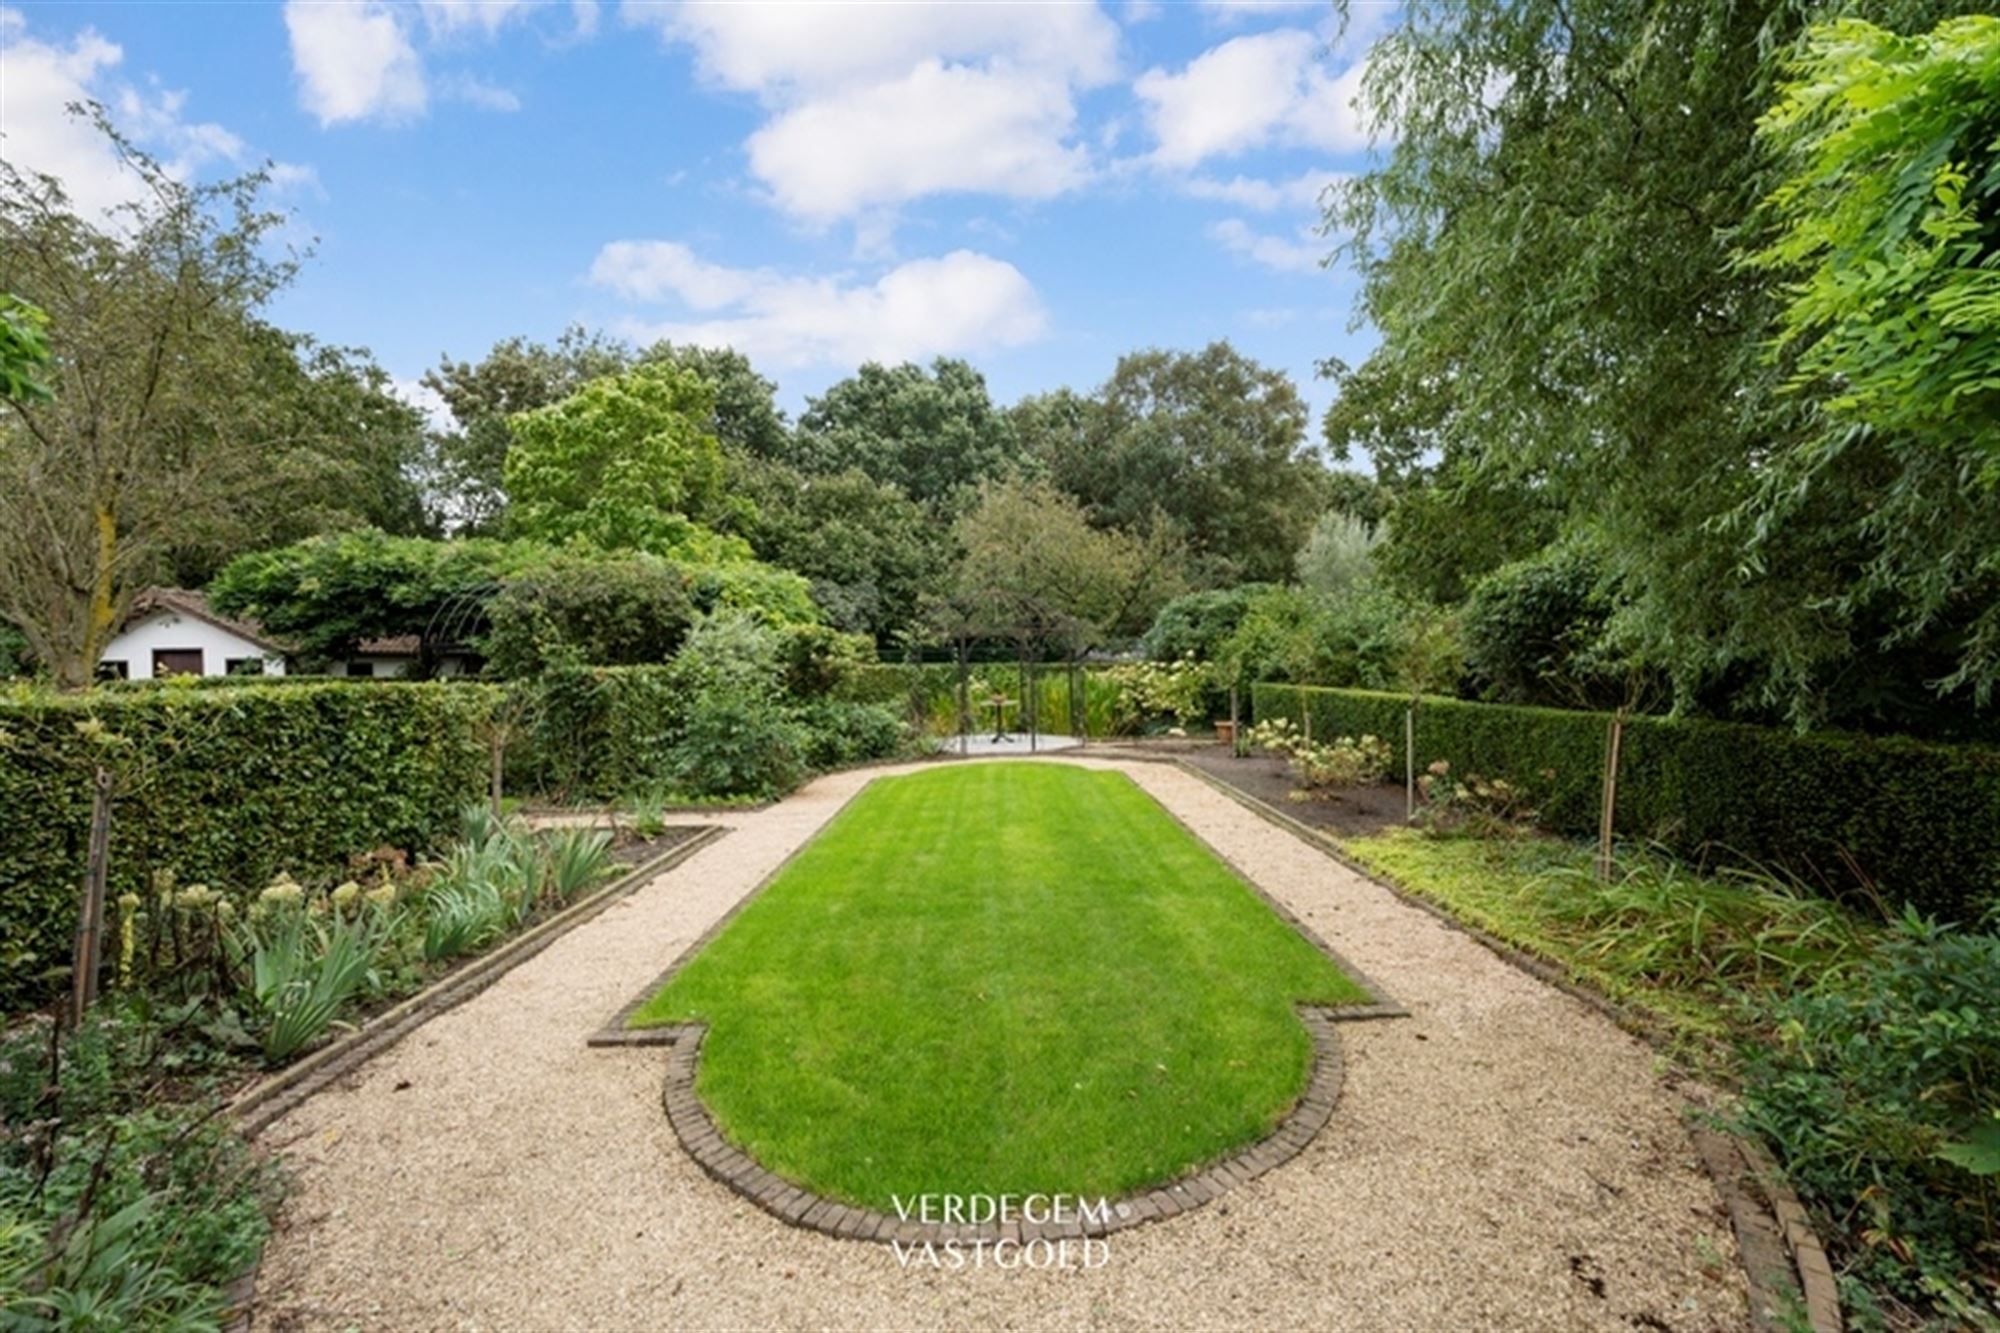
column 152, row 430
column 1551, row 249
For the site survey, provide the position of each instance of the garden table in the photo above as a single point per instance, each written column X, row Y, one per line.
column 999, row 703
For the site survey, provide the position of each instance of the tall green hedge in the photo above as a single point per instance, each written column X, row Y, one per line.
column 223, row 787
column 1917, row 822
column 600, row 731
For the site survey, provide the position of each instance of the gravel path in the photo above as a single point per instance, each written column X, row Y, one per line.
column 1506, row 1158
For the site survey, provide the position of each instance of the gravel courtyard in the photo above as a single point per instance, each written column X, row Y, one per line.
column 1504, row 1158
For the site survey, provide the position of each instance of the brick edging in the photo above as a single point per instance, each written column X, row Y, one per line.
column 257, row 1107
column 798, row 1206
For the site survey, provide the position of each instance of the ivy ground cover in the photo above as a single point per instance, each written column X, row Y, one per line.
column 1000, row 978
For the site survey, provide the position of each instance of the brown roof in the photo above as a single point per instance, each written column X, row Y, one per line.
column 399, row 645
column 187, row 602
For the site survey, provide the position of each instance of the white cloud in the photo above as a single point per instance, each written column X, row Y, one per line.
column 39, row 134
column 437, row 414
column 291, row 177
column 477, row 92
column 939, row 128
column 771, row 48
column 1299, row 193
column 668, row 270
column 1270, row 87
column 873, row 105
column 486, row 16
column 584, row 12
column 1303, row 254
column 354, row 61
column 961, row 303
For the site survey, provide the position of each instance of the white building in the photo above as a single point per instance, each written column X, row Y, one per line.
column 172, row 632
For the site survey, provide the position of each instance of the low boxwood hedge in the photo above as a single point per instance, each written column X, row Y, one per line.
column 222, row 786
column 1912, row 821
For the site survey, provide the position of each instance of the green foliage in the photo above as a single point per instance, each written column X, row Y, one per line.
column 1370, row 637
column 626, row 462
column 1212, row 441
column 1338, row 555
column 577, row 858
column 24, row 350
column 304, row 970
column 1879, row 1098
column 1534, row 632
column 834, row 734
column 604, row 611
column 326, row 594
column 774, row 596
column 1884, row 238
column 1199, row 622
column 869, row 551
column 932, row 434
column 1182, row 690
column 226, row 786
column 1906, row 820
column 1551, row 253
column 734, row 744
column 516, row 376
column 1035, row 570
column 117, row 1209
column 1345, row 761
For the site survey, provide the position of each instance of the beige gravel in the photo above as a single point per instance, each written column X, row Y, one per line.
column 1505, row 1158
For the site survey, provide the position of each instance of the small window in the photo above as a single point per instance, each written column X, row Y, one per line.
column 114, row 669
column 243, row 666
column 360, row 668
column 176, row 662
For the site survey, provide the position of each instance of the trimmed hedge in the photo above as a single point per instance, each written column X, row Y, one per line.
column 1919, row 822
column 222, row 786
column 601, row 731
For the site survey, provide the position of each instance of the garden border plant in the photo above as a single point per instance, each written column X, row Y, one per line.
column 269, row 1099
column 1764, row 1210
column 798, row 1205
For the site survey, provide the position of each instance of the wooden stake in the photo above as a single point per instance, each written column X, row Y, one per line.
column 1613, row 744
column 90, row 917
column 1410, row 763
column 1235, row 725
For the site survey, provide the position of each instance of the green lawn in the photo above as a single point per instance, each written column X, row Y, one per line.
column 1000, row 978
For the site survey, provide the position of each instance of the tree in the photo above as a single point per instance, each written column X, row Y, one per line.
column 1210, row 439
column 24, row 350
column 515, row 376
column 327, row 593
column 156, row 428
column 1038, row 570
column 933, row 434
column 1550, row 254
column 1885, row 235
column 1338, row 554
column 870, row 551
column 625, row 462
column 747, row 420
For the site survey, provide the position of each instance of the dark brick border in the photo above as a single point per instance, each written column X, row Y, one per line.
column 798, row 1206
column 794, row 1204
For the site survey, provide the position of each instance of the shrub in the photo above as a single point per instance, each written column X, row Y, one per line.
column 1338, row 556
column 600, row 610
column 1909, row 821
column 225, row 786
column 736, row 744
column 835, row 734
column 1180, row 690
column 1880, row 1097
column 1347, row 761
column 1199, row 622
column 1534, row 632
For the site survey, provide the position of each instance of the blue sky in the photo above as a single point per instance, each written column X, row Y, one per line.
column 1037, row 188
